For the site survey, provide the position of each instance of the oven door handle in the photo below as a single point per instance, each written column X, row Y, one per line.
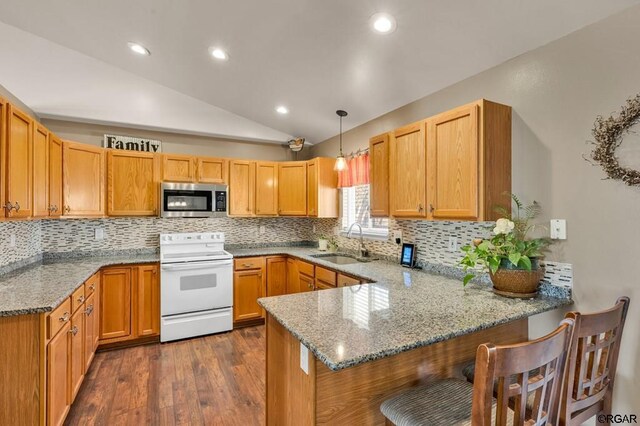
column 197, row 265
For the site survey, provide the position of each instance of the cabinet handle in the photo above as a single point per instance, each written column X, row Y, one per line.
column 50, row 208
column 89, row 310
column 67, row 209
column 247, row 265
column 420, row 208
column 74, row 330
column 81, row 299
column 92, row 287
column 431, row 208
column 16, row 206
column 8, row 207
column 55, row 208
column 64, row 317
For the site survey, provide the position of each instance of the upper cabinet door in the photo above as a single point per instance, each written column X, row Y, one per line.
column 312, row 187
column 19, row 163
column 242, row 182
column 292, row 191
column 83, row 173
column 41, row 205
column 453, row 153
column 55, row 176
column 132, row 183
column 379, row 175
column 178, row 168
column 266, row 188
column 212, row 170
column 408, row 171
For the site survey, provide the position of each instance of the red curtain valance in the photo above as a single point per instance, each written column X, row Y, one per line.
column 356, row 173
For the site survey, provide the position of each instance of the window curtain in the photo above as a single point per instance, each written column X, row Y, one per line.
column 356, row 173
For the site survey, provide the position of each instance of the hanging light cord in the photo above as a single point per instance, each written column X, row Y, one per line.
column 341, row 136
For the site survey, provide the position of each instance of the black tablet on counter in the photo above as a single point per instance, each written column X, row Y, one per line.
column 408, row 255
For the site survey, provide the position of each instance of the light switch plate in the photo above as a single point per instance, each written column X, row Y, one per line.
column 12, row 240
column 397, row 235
column 558, row 229
column 304, row 358
column 453, row 244
column 99, row 234
column 262, row 229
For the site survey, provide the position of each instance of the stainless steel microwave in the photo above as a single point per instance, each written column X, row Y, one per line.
column 193, row 200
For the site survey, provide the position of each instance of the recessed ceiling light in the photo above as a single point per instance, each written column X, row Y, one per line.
column 138, row 48
column 282, row 110
column 383, row 23
column 218, row 53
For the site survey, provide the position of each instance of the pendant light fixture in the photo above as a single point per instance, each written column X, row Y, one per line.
column 341, row 162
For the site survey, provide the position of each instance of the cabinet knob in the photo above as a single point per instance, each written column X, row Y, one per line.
column 92, row 287
column 8, row 207
column 420, row 208
column 89, row 310
column 55, row 208
column 64, row 317
column 431, row 208
column 16, row 206
column 81, row 299
column 67, row 209
column 74, row 330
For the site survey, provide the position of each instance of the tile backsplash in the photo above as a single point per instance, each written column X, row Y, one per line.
column 35, row 237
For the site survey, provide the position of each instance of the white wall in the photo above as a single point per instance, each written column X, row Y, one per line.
column 556, row 93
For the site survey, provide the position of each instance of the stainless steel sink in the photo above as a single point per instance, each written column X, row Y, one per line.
column 338, row 259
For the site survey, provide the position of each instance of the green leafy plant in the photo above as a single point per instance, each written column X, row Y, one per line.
column 509, row 243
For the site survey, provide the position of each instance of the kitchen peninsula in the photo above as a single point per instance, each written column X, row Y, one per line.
column 369, row 341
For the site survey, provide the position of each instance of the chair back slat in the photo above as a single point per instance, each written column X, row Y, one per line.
column 593, row 359
column 499, row 364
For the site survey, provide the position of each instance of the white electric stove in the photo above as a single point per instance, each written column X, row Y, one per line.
column 196, row 295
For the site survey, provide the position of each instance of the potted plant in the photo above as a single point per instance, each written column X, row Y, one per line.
column 323, row 243
column 510, row 256
column 333, row 244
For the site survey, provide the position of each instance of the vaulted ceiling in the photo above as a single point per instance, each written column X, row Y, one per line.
column 69, row 58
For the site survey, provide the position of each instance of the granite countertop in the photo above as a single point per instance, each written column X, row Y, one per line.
column 42, row 286
column 403, row 309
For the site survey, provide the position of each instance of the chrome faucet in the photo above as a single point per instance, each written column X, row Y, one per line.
column 363, row 250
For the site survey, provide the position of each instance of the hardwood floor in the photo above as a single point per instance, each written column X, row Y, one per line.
column 212, row 380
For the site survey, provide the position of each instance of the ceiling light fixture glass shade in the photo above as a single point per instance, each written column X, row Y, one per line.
column 138, row 48
column 341, row 161
column 282, row 109
column 218, row 53
column 383, row 23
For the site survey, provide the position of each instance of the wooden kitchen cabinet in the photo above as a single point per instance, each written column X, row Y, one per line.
column 276, row 276
column 148, row 300
column 55, row 176
column 306, row 276
column 324, row 278
column 242, row 184
column 266, row 188
column 292, row 188
column 178, row 168
column 18, row 163
column 115, row 304
column 408, row 164
column 41, row 205
column 379, row 175
column 345, row 280
column 132, row 183
column 83, row 171
column 293, row 278
column 130, row 303
column 248, row 287
column 322, row 188
column 469, row 162
column 90, row 326
column 58, row 376
column 77, row 366
column 212, row 170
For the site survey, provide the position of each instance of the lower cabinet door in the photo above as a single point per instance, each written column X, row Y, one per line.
column 96, row 315
column 148, row 300
column 276, row 276
column 306, row 283
column 293, row 285
column 248, row 287
column 115, row 304
column 89, row 330
column 58, row 400
column 77, row 365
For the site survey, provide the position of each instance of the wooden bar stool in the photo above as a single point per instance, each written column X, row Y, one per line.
column 593, row 361
column 456, row 402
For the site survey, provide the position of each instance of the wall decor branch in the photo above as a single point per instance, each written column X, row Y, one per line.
column 608, row 134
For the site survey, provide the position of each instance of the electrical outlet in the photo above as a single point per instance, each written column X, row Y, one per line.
column 262, row 229
column 12, row 240
column 397, row 237
column 98, row 233
column 453, row 244
column 558, row 229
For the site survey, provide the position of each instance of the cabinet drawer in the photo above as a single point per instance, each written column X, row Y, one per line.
column 59, row 317
column 306, row 268
column 345, row 280
column 91, row 285
column 327, row 276
column 248, row 263
column 77, row 299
